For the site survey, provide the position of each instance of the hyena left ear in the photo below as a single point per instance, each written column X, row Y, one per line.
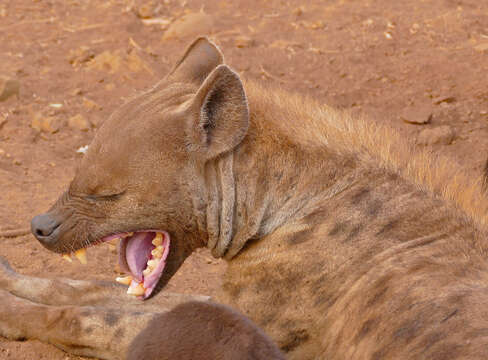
column 220, row 113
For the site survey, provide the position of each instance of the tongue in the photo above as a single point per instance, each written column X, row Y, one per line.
column 138, row 252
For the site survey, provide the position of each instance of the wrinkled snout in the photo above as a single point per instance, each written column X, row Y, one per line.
column 44, row 227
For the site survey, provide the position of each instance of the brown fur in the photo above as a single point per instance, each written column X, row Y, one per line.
column 200, row 330
column 343, row 240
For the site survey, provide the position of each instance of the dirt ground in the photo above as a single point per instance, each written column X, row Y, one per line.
column 76, row 60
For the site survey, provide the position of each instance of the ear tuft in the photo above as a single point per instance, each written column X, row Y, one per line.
column 200, row 58
column 223, row 113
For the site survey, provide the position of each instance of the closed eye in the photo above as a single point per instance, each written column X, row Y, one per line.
column 109, row 197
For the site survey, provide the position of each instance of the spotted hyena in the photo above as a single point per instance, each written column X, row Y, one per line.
column 342, row 240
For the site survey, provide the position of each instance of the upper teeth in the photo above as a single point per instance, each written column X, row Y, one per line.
column 81, row 255
column 158, row 239
column 158, row 251
column 67, row 257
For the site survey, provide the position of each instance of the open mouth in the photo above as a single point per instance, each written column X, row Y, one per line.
column 142, row 255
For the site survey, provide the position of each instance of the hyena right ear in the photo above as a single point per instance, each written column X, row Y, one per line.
column 199, row 60
column 219, row 114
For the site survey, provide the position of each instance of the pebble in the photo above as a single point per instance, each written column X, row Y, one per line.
column 443, row 99
column 443, row 135
column 8, row 88
column 482, row 47
column 192, row 24
column 78, row 122
column 90, row 104
column 49, row 124
column 417, row 115
column 145, row 11
column 244, row 41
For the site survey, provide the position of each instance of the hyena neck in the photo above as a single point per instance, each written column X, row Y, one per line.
column 268, row 180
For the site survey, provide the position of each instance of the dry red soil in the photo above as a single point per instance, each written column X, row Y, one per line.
column 76, row 61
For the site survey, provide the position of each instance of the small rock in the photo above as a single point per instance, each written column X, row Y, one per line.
column 192, row 24
column 8, row 87
column 106, row 61
column 3, row 120
column 49, row 124
column 244, row 42
column 91, row 105
column 440, row 135
column 298, row 11
column 78, row 122
column 481, row 47
column 417, row 115
column 443, row 99
column 76, row 91
column 81, row 55
column 145, row 11
column 82, row 149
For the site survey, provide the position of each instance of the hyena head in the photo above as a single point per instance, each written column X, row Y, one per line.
column 143, row 177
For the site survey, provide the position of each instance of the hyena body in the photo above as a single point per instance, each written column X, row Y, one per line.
column 377, row 255
column 343, row 242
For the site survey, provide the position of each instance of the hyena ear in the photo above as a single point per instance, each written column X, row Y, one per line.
column 220, row 114
column 200, row 58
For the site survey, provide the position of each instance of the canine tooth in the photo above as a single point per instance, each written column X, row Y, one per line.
column 158, row 239
column 67, row 257
column 124, row 279
column 136, row 290
column 81, row 255
column 152, row 263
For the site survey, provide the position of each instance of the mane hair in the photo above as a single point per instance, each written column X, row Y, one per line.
column 314, row 125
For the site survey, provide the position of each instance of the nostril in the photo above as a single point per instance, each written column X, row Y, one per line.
column 43, row 226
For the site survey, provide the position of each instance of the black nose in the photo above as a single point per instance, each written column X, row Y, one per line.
column 43, row 226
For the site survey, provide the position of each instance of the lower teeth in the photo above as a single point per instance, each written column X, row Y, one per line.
column 136, row 288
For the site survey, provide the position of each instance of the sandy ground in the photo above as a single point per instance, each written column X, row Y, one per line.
column 76, row 61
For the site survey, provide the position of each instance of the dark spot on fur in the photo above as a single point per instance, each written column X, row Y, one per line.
column 374, row 208
column 356, row 229
column 390, row 225
column 359, row 196
column 294, row 339
column 299, row 237
column 368, row 325
column 379, row 291
column 89, row 330
column 339, row 228
column 317, row 217
column 111, row 318
column 431, row 339
column 450, row 315
column 119, row 333
column 234, row 290
column 407, row 330
column 379, row 354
